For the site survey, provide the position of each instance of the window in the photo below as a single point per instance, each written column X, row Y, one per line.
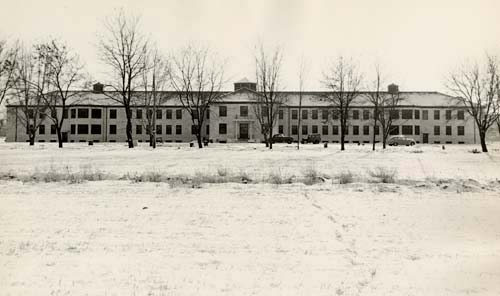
column 194, row 129
column 159, row 130
column 324, row 130
column 460, row 114
column 73, row 113
column 196, row 114
column 159, row 114
column 53, row 113
column 335, row 129
column 53, row 129
column 448, row 115
column 417, row 114
column 436, row 115
column 366, row 114
column 314, row 114
column 407, row 114
column 335, row 114
column 138, row 129
column 280, row 129
column 73, row 129
column 138, row 113
column 314, row 129
column 448, row 130
column 376, row 130
column 178, row 114
column 168, row 129
column 112, row 113
column 149, row 114
column 65, row 113
column 112, row 129
column 208, row 113
column 346, row 130
column 243, row 111
column 222, row 111
column 83, row 129
column 295, row 114
column 304, row 114
column 295, row 129
column 148, row 130
column 366, row 130
column 280, row 114
column 41, row 130
column 460, row 130
column 394, row 114
column 178, row 129
column 207, row 129
column 95, row 129
column 394, row 130
column 355, row 130
column 355, row 114
column 324, row 114
column 83, row 113
column 304, row 129
column 222, row 128
column 417, row 129
column 437, row 130
column 168, row 114
column 407, row 130
column 425, row 114
column 96, row 113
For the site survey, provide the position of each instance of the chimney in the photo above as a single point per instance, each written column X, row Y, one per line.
column 98, row 88
column 393, row 89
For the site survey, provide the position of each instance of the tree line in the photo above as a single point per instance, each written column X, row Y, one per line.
column 44, row 80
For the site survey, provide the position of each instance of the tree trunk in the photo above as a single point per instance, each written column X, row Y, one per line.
column 198, row 138
column 374, row 137
column 270, row 137
column 59, row 137
column 32, row 139
column 384, row 141
column 342, row 139
column 129, row 133
column 482, row 136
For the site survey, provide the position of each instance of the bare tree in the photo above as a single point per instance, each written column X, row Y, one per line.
column 388, row 110
column 8, row 59
column 477, row 90
column 302, row 77
column 343, row 79
column 196, row 76
column 375, row 97
column 31, row 83
column 154, row 82
column 64, row 73
column 269, row 97
column 124, row 49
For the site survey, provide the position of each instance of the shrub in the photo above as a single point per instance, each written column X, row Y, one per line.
column 278, row 178
column 384, row 175
column 312, row 176
column 346, row 177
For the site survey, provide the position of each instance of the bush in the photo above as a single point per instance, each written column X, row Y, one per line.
column 312, row 176
column 346, row 177
column 278, row 178
column 384, row 175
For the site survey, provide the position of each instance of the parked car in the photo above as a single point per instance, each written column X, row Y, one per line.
column 312, row 138
column 400, row 140
column 280, row 138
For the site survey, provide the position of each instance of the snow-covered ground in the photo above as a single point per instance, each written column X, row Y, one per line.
column 412, row 237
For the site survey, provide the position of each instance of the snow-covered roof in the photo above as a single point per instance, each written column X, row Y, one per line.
column 309, row 99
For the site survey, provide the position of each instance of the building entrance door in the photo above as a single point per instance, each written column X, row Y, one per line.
column 425, row 139
column 243, row 131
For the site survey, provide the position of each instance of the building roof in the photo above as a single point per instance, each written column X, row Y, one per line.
column 309, row 98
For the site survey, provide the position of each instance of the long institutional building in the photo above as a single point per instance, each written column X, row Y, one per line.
column 427, row 117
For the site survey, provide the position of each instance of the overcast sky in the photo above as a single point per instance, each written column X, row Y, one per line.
column 416, row 42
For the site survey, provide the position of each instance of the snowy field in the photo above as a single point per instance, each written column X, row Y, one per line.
column 433, row 230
